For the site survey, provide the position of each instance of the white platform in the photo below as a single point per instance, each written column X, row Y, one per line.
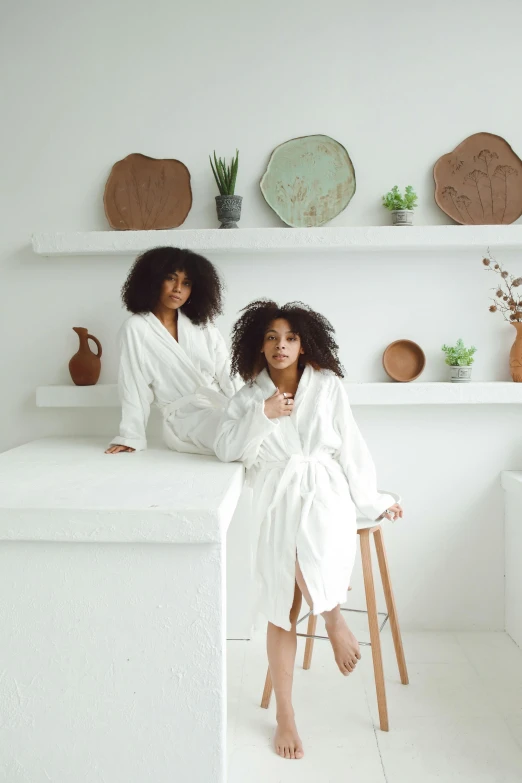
column 112, row 586
column 475, row 393
column 248, row 240
column 512, row 485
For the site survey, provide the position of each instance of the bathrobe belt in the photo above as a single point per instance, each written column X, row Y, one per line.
column 204, row 397
column 294, row 469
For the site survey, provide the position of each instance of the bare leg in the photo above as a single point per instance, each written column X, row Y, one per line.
column 281, row 648
column 345, row 645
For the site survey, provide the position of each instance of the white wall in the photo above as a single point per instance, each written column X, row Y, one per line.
column 399, row 85
column 512, row 484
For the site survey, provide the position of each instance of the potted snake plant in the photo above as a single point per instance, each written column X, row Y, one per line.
column 228, row 205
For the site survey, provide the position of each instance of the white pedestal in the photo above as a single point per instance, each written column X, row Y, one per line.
column 512, row 484
column 112, row 590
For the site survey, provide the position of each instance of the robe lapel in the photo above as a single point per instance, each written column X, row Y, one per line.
column 185, row 327
column 265, row 383
column 178, row 349
column 288, row 424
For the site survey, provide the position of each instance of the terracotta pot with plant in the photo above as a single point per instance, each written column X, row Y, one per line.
column 227, row 203
column 508, row 301
column 459, row 358
column 401, row 205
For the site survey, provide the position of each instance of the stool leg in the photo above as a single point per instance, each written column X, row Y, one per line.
column 390, row 604
column 267, row 692
column 373, row 622
column 309, row 647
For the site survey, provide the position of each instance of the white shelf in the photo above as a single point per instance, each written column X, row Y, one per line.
column 493, row 393
column 251, row 240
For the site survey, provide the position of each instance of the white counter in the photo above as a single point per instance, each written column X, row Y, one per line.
column 112, row 585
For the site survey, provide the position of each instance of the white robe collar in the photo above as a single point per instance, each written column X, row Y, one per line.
column 266, row 384
column 182, row 348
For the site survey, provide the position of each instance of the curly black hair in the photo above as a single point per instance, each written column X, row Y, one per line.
column 315, row 331
column 141, row 291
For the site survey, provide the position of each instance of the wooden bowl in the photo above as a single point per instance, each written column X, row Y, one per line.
column 404, row 360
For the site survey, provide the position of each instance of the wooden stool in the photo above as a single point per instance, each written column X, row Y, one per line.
column 365, row 529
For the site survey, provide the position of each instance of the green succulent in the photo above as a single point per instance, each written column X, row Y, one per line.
column 458, row 355
column 224, row 175
column 394, row 200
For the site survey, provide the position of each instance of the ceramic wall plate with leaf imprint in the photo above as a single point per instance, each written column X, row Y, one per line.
column 309, row 181
column 480, row 182
column 147, row 193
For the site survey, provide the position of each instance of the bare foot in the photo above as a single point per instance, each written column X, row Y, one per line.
column 287, row 742
column 345, row 645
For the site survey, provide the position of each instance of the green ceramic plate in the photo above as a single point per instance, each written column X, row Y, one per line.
column 309, row 180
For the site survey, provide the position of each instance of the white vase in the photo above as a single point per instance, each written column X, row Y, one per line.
column 402, row 217
column 460, row 374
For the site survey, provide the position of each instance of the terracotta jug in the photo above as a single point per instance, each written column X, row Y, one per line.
column 515, row 356
column 85, row 365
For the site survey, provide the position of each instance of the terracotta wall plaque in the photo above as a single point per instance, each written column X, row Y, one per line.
column 480, row 182
column 147, row 193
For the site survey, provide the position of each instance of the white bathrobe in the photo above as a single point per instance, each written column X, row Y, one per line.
column 308, row 471
column 189, row 381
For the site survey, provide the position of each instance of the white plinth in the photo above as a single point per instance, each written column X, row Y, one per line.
column 112, row 604
column 512, row 484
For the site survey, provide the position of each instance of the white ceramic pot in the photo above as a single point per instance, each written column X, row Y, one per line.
column 402, row 217
column 460, row 374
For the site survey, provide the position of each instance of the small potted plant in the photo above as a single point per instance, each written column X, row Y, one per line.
column 227, row 203
column 459, row 358
column 401, row 205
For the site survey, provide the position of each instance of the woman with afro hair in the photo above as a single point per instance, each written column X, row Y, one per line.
column 309, row 469
column 171, row 352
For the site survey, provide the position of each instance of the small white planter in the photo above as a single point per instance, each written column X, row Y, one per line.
column 460, row 374
column 402, row 217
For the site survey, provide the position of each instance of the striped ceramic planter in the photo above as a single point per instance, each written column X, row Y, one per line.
column 460, row 374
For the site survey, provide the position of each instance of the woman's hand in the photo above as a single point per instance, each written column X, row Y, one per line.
column 393, row 512
column 116, row 449
column 279, row 404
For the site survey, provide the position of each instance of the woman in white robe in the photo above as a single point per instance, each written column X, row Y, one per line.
column 310, row 469
column 171, row 353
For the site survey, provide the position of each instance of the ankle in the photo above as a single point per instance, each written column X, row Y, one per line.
column 333, row 618
column 285, row 713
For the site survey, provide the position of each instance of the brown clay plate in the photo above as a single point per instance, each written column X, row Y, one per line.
column 480, row 182
column 147, row 193
column 404, row 360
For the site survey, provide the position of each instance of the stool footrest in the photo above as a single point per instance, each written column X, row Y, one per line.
column 343, row 609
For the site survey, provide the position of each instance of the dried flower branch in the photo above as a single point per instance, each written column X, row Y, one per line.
column 507, row 301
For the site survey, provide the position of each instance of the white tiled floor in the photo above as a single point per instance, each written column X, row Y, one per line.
column 460, row 719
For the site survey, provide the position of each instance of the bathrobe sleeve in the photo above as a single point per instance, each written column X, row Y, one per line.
column 228, row 385
column 243, row 428
column 356, row 459
column 135, row 393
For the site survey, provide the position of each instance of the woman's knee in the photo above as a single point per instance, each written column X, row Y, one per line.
column 296, row 605
column 302, row 584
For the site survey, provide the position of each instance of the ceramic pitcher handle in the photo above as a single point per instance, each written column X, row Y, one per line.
column 92, row 337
